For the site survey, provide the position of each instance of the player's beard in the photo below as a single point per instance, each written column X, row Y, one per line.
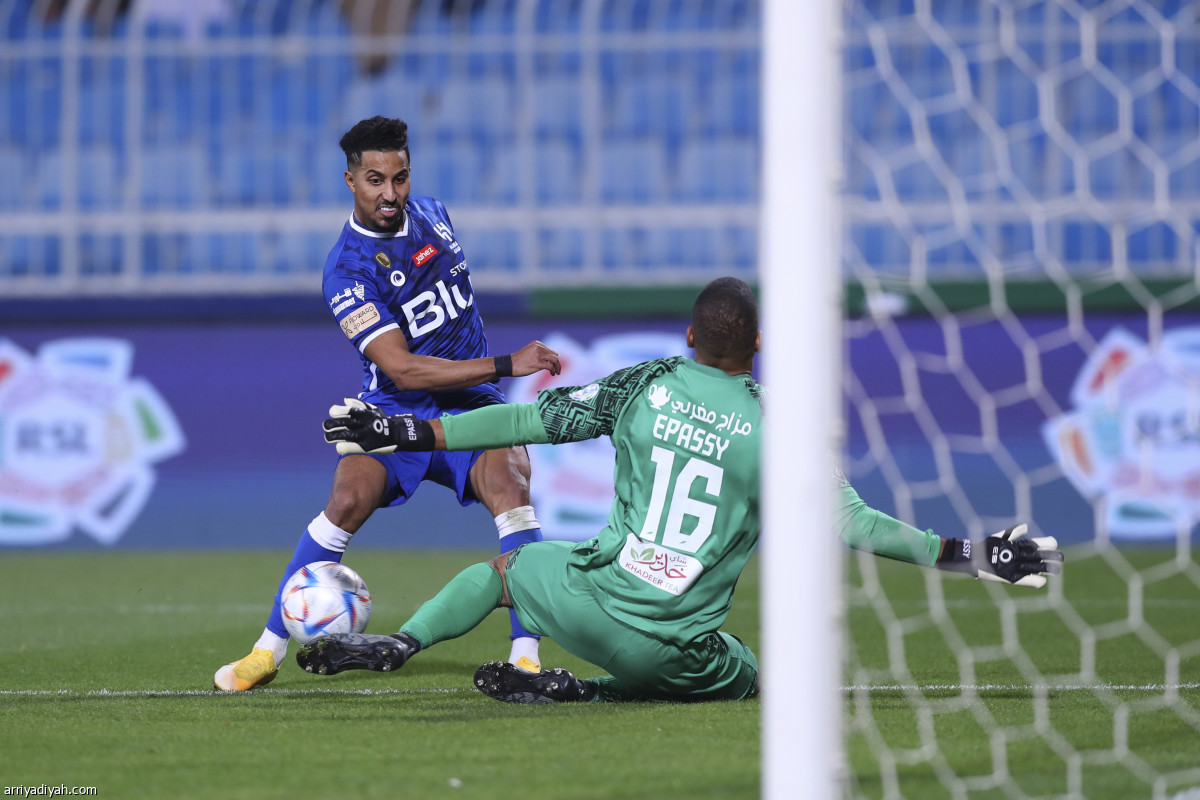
column 385, row 224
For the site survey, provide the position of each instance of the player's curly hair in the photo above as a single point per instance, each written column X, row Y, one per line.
column 377, row 133
column 725, row 319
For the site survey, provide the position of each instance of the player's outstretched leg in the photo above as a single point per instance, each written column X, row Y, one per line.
column 504, row 681
column 336, row 652
column 322, row 541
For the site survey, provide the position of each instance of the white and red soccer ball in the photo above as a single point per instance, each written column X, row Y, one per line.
column 324, row 597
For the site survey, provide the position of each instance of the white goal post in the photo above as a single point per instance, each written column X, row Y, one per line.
column 800, row 288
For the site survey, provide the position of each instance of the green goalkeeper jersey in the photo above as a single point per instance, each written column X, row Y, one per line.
column 685, row 517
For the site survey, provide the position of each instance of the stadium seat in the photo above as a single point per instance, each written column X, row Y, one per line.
column 558, row 172
column 48, row 181
column 102, row 111
column 917, row 182
column 740, row 248
column 173, row 176
column 31, row 256
column 648, row 106
column 491, row 250
column 733, row 106
column 1121, row 175
column 452, row 173
column 100, row 255
column 14, row 188
column 691, row 247
column 718, row 171
column 555, row 16
column 626, row 15
column 430, row 19
column 325, row 165
column 494, row 17
column 101, row 179
column 631, row 248
column 1042, row 166
column 502, row 181
column 632, row 171
column 392, row 94
column 483, row 109
column 562, row 248
column 557, row 107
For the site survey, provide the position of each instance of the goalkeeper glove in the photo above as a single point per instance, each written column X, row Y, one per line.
column 359, row 427
column 1005, row 557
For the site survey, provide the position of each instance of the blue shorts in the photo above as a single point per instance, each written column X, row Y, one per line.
column 406, row 471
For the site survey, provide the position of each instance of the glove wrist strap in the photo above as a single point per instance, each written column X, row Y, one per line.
column 411, row 433
column 956, row 556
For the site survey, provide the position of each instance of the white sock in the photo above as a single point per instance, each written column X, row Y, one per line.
column 526, row 646
column 273, row 642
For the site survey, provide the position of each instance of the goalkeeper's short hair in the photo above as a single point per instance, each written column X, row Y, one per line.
column 725, row 319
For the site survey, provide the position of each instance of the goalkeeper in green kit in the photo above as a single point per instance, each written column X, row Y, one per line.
column 645, row 598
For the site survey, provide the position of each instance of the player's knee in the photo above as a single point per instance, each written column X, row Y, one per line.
column 501, row 479
column 349, row 507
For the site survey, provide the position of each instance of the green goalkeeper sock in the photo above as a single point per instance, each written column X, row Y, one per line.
column 461, row 605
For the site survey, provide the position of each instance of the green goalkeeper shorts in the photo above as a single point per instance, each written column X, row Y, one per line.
column 718, row 666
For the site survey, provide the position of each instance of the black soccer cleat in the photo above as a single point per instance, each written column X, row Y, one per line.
column 332, row 653
column 504, row 681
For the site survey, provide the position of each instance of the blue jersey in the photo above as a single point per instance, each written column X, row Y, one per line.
column 415, row 280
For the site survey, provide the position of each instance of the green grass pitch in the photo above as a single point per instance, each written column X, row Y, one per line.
column 108, row 658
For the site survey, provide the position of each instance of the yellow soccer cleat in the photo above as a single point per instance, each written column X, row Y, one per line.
column 528, row 664
column 256, row 669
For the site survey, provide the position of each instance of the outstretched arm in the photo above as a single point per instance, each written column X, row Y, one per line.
column 865, row 528
column 1004, row 557
column 358, row 427
column 564, row 414
column 409, row 371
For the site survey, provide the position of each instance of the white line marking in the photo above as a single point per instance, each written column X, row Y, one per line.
column 204, row 692
column 1008, row 687
column 929, row 687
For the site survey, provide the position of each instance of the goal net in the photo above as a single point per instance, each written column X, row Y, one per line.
column 1022, row 343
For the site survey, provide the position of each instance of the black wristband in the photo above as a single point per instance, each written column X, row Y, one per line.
column 503, row 366
column 411, row 433
column 956, row 556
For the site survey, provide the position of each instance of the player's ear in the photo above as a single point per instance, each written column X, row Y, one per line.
column 758, row 342
column 349, row 179
column 691, row 338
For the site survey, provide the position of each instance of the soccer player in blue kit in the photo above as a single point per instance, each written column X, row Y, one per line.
column 399, row 286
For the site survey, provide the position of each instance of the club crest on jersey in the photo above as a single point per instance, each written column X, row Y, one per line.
column 382, row 260
column 424, row 254
column 443, row 230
